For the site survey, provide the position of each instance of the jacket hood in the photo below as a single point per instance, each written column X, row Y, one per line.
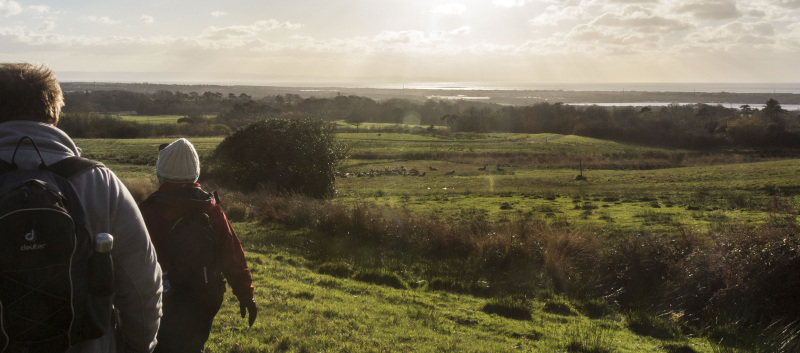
column 51, row 141
column 177, row 199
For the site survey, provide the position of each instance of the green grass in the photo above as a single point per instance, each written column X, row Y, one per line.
column 612, row 198
column 660, row 199
column 301, row 310
column 492, row 143
column 152, row 119
column 136, row 151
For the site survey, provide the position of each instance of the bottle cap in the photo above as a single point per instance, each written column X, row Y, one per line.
column 103, row 242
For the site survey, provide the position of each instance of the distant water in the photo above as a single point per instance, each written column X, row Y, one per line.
column 649, row 87
column 789, row 107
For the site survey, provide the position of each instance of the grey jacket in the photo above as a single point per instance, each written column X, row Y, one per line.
column 110, row 208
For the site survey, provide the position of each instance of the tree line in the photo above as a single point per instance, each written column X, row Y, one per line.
column 693, row 126
column 684, row 126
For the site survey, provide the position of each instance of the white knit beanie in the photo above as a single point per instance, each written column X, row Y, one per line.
column 178, row 163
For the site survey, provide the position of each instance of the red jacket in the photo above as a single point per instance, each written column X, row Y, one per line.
column 160, row 213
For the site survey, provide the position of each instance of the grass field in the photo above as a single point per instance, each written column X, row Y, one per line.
column 729, row 188
column 628, row 189
column 152, row 119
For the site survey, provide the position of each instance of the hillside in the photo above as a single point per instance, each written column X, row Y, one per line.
column 304, row 311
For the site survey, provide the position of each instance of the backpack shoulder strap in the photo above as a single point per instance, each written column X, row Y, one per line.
column 72, row 166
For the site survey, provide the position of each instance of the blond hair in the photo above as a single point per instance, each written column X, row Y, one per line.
column 29, row 92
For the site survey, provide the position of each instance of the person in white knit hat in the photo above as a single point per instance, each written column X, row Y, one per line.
column 178, row 162
column 197, row 249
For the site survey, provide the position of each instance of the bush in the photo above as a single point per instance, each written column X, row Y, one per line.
column 285, row 156
column 236, row 212
column 595, row 308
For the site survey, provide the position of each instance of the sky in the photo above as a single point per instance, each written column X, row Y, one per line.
column 524, row 41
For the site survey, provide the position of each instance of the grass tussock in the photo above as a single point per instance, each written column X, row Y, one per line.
column 584, row 338
column 646, row 324
column 380, row 277
column 558, row 306
column 509, row 307
column 335, row 269
column 678, row 348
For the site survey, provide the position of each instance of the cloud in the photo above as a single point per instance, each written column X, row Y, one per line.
column 789, row 4
column 47, row 26
column 553, row 16
column 633, row 1
column 250, row 30
column 219, row 13
column 511, row 3
column 710, row 10
column 754, row 13
column 9, row 8
column 40, row 9
column 453, row 9
column 790, row 39
column 461, row 30
column 633, row 30
column 147, row 19
column 405, row 42
column 734, row 34
column 638, row 18
column 103, row 20
column 449, row 9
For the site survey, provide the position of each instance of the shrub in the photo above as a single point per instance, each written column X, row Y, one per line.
column 595, row 308
column 285, row 156
column 236, row 212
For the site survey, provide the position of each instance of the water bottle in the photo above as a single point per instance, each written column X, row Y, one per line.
column 165, row 282
column 101, row 269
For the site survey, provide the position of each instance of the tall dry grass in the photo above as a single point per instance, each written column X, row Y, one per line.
column 140, row 188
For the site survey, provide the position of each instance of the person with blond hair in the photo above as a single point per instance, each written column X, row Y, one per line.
column 30, row 108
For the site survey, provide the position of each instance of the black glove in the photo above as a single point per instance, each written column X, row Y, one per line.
column 249, row 306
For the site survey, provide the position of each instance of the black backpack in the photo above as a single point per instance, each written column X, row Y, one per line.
column 193, row 249
column 45, row 248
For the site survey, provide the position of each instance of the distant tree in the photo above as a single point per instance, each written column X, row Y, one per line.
column 241, row 114
column 355, row 122
column 772, row 109
column 746, row 109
